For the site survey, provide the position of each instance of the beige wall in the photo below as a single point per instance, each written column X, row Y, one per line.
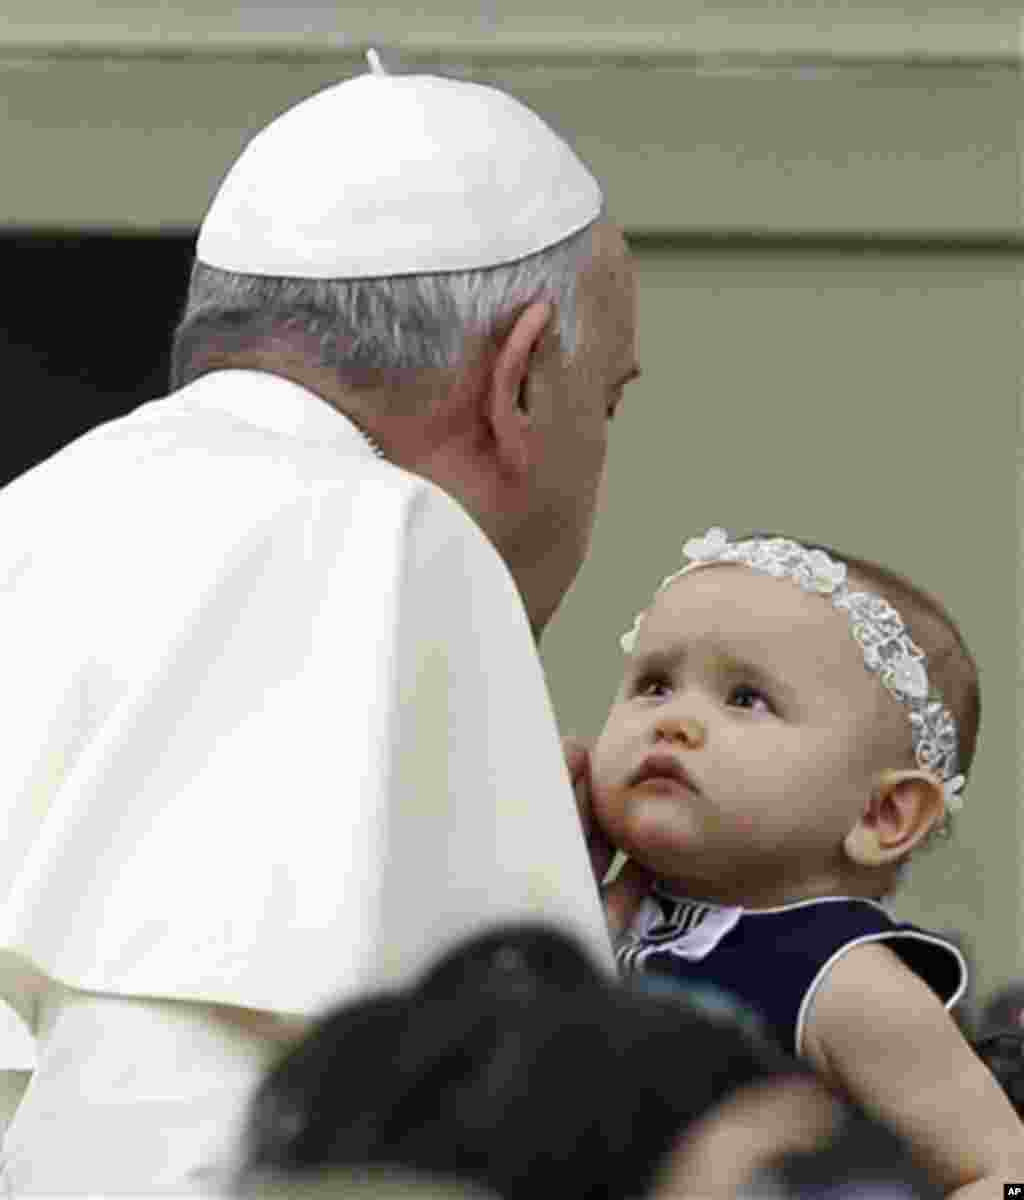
column 826, row 207
column 872, row 28
column 803, row 116
column 139, row 141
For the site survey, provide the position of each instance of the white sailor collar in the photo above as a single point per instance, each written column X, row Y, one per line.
column 691, row 928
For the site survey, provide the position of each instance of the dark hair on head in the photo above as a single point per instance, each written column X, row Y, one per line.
column 513, row 1064
column 1003, row 1009
column 1003, row 1053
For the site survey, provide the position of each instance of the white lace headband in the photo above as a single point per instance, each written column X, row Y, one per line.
column 876, row 626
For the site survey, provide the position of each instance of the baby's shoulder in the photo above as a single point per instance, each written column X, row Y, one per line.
column 879, row 1035
column 869, row 999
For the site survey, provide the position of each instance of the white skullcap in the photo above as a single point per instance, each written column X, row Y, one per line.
column 397, row 175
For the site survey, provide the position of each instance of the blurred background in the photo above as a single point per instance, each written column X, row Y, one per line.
column 825, row 203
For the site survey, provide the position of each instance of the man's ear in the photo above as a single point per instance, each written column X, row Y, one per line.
column 904, row 806
column 508, row 409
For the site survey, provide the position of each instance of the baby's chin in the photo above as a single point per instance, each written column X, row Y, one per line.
column 653, row 828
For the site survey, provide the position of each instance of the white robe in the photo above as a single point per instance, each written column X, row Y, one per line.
column 274, row 731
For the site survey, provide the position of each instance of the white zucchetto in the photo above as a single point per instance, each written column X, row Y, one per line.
column 386, row 175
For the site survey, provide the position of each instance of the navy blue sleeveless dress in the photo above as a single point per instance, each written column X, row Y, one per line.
column 764, row 966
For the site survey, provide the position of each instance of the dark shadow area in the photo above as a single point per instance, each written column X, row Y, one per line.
column 85, row 329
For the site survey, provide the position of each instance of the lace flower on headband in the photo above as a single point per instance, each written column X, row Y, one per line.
column 877, row 627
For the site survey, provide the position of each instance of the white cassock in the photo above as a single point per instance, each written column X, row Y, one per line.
column 275, row 731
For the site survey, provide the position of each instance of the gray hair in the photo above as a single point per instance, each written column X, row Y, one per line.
column 367, row 325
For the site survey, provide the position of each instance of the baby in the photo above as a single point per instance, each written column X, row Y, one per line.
column 790, row 727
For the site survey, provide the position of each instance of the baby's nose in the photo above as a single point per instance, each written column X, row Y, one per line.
column 687, row 729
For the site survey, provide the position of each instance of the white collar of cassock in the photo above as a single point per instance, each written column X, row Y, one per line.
column 271, row 402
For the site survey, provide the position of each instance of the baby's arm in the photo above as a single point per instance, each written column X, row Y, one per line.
column 878, row 1033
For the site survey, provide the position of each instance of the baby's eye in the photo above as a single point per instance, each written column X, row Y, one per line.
column 644, row 684
column 745, row 696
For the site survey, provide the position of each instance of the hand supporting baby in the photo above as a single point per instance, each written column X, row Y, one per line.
column 622, row 896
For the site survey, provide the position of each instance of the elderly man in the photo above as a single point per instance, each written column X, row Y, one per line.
column 275, row 728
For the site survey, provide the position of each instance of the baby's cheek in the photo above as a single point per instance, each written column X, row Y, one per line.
column 603, row 771
column 601, row 775
column 606, row 800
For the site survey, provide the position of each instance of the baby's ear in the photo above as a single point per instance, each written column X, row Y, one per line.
column 904, row 806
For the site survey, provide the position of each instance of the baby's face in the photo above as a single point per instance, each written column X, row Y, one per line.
column 758, row 691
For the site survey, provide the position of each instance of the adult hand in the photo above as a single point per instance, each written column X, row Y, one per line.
column 625, row 893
